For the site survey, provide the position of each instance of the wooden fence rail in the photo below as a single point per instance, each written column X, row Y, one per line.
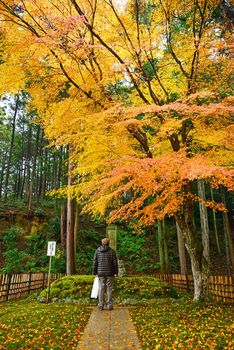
column 13, row 286
column 221, row 288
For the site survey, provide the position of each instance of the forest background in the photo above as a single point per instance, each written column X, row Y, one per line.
column 117, row 112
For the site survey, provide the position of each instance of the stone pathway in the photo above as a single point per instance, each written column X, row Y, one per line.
column 109, row 330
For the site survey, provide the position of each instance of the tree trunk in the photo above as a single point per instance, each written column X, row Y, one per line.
column 23, row 180
column 204, row 229
column 160, row 247
column 43, row 174
column 215, row 225
column 34, row 163
column 21, row 164
column 17, row 181
column 228, row 238
column 28, row 162
column 17, row 101
column 195, row 249
column 76, row 227
column 60, row 165
column 2, row 173
column 166, row 260
column 182, row 252
column 70, row 268
column 63, row 226
column 70, row 259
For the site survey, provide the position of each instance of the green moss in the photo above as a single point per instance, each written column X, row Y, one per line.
column 135, row 287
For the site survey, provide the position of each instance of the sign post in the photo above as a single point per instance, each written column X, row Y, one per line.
column 51, row 248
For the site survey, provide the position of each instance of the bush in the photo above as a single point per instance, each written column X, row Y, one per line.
column 136, row 251
column 14, row 258
column 39, row 212
column 87, row 242
column 28, row 253
column 14, row 261
column 11, row 237
column 125, row 288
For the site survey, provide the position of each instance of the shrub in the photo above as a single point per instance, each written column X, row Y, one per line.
column 39, row 212
column 14, row 261
column 132, row 287
column 14, row 258
column 136, row 251
column 11, row 237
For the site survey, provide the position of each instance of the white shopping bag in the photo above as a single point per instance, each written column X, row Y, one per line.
column 94, row 293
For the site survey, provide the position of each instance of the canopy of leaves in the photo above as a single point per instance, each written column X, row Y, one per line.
column 137, row 91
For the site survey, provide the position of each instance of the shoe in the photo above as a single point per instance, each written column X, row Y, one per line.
column 100, row 308
column 110, row 308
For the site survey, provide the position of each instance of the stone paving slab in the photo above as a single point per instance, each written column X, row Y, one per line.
column 109, row 330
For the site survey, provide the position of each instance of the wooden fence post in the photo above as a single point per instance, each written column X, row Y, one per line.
column 187, row 283
column 43, row 280
column 29, row 281
column 8, row 286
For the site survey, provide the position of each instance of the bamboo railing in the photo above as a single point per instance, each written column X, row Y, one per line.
column 14, row 286
column 221, row 288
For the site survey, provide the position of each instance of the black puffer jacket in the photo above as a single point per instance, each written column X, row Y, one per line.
column 105, row 262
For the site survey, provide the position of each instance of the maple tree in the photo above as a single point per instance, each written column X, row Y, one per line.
column 84, row 71
column 148, row 188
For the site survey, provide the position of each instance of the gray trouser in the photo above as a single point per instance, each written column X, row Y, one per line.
column 105, row 283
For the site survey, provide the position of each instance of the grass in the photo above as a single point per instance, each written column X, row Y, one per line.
column 177, row 324
column 28, row 324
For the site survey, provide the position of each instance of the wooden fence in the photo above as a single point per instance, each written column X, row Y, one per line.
column 13, row 286
column 221, row 288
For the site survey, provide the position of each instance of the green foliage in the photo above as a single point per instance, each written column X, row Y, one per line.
column 173, row 96
column 28, row 253
column 14, row 258
column 120, row 89
column 37, row 247
column 39, row 212
column 74, row 287
column 137, row 288
column 150, row 68
column 142, row 288
column 181, row 24
column 223, row 13
column 133, row 249
column 32, row 325
column 35, row 244
column 172, row 324
column 87, row 242
column 14, row 261
column 48, row 203
column 144, row 11
column 11, row 237
column 53, row 228
column 84, row 260
column 28, row 139
column 58, row 262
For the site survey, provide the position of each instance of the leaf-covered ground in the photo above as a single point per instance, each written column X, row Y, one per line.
column 166, row 324
column 183, row 325
column 27, row 324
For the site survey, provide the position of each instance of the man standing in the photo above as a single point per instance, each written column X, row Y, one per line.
column 105, row 266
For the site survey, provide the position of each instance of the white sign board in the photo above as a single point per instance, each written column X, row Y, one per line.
column 51, row 248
